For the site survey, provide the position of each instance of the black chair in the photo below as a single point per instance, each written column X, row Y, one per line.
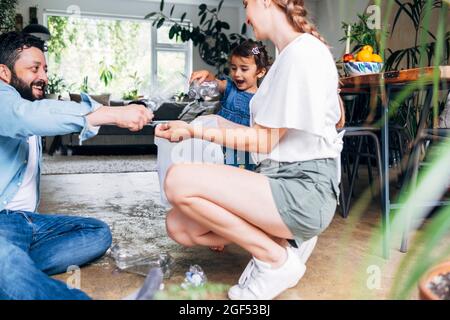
column 360, row 142
column 418, row 158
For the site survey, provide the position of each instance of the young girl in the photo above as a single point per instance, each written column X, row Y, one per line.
column 249, row 62
column 293, row 194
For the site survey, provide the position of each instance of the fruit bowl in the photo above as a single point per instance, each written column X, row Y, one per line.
column 361, row 68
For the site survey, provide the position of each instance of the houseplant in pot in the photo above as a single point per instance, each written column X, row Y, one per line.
column 366, row 56
column 435, row 285
column 133, row 93
column 427, row 263
column 56, row 86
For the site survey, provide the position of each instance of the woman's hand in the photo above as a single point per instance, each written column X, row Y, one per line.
column 201, row 76
column 341, row 124
column 174, row 131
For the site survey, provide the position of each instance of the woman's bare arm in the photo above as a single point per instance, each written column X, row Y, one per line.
column 256, row 139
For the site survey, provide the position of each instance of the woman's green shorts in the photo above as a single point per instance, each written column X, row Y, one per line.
column 305, row 193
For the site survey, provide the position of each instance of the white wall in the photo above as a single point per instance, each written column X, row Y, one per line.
column 326, row 14
column 329, row 15
column 139, row 8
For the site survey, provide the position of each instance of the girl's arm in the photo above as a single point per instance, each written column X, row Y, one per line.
column 205, row 75
column 256, row 139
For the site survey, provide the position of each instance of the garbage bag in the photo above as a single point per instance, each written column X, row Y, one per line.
column 186, row 151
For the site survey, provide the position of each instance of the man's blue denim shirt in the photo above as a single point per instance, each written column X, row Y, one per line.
column 20, row 119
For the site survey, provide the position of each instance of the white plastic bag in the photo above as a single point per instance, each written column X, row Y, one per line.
column 187, row 151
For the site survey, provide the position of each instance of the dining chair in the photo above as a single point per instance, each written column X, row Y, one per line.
column 361, row 142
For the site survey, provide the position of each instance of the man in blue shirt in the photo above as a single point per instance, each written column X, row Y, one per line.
column 34, row 246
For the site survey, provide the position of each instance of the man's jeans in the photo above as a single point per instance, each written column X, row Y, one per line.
column 34, row 246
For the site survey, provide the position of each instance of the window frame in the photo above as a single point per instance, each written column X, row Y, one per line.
column 185, row 47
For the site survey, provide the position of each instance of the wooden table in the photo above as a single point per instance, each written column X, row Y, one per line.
column 384, row 84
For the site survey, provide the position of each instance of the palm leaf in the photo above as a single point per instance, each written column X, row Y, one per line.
column 433, row 183
column 403, row 7
column 433, row 234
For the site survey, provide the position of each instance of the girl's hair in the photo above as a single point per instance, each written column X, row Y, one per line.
column 256, row 49
column 297, row 16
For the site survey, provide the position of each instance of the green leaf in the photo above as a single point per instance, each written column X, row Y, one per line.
column 202, row 7
column 152, row 14
column 160, row 23
column 218, row 26
column 172, row 31
column 244, row 29
column 171, row 10
column 161, row 6
column 225, row 26
column 220, row 6
column 183, row 17
column 203, row 18
column 184, row 35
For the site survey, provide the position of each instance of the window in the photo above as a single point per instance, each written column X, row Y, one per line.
column 87, row 50
column 170, row 58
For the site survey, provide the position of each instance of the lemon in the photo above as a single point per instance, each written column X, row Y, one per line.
column 364, row 56
column 368, row 48
column 377, row 58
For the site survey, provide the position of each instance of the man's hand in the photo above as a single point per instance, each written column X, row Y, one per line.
column 174, row 131
column 134, row 117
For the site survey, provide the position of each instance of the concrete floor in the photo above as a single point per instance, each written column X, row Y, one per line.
column 340, row 267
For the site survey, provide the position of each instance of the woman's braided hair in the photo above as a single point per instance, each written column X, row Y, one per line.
column 297, row 15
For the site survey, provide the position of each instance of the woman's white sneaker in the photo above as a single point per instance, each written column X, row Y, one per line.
column 305, row 250
column 260, row 281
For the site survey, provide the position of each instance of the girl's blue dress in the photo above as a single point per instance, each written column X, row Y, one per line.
column 236, row 108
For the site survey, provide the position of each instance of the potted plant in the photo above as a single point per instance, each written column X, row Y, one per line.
column 84, row 87
column 133, row 94
column 366, row 56
column 210, row 36
column 423, row 265
column 435, row 285
column 7, row 15
column 56, row 86
column 361, row 34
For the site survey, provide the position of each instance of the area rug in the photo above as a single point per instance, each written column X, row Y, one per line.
column 57, row 164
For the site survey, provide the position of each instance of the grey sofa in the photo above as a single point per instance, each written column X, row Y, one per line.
column 112, row 137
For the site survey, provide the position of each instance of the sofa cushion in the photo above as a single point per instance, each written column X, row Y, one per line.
column 103, row 99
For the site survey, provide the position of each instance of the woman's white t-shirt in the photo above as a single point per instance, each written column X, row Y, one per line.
column 299, row 93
